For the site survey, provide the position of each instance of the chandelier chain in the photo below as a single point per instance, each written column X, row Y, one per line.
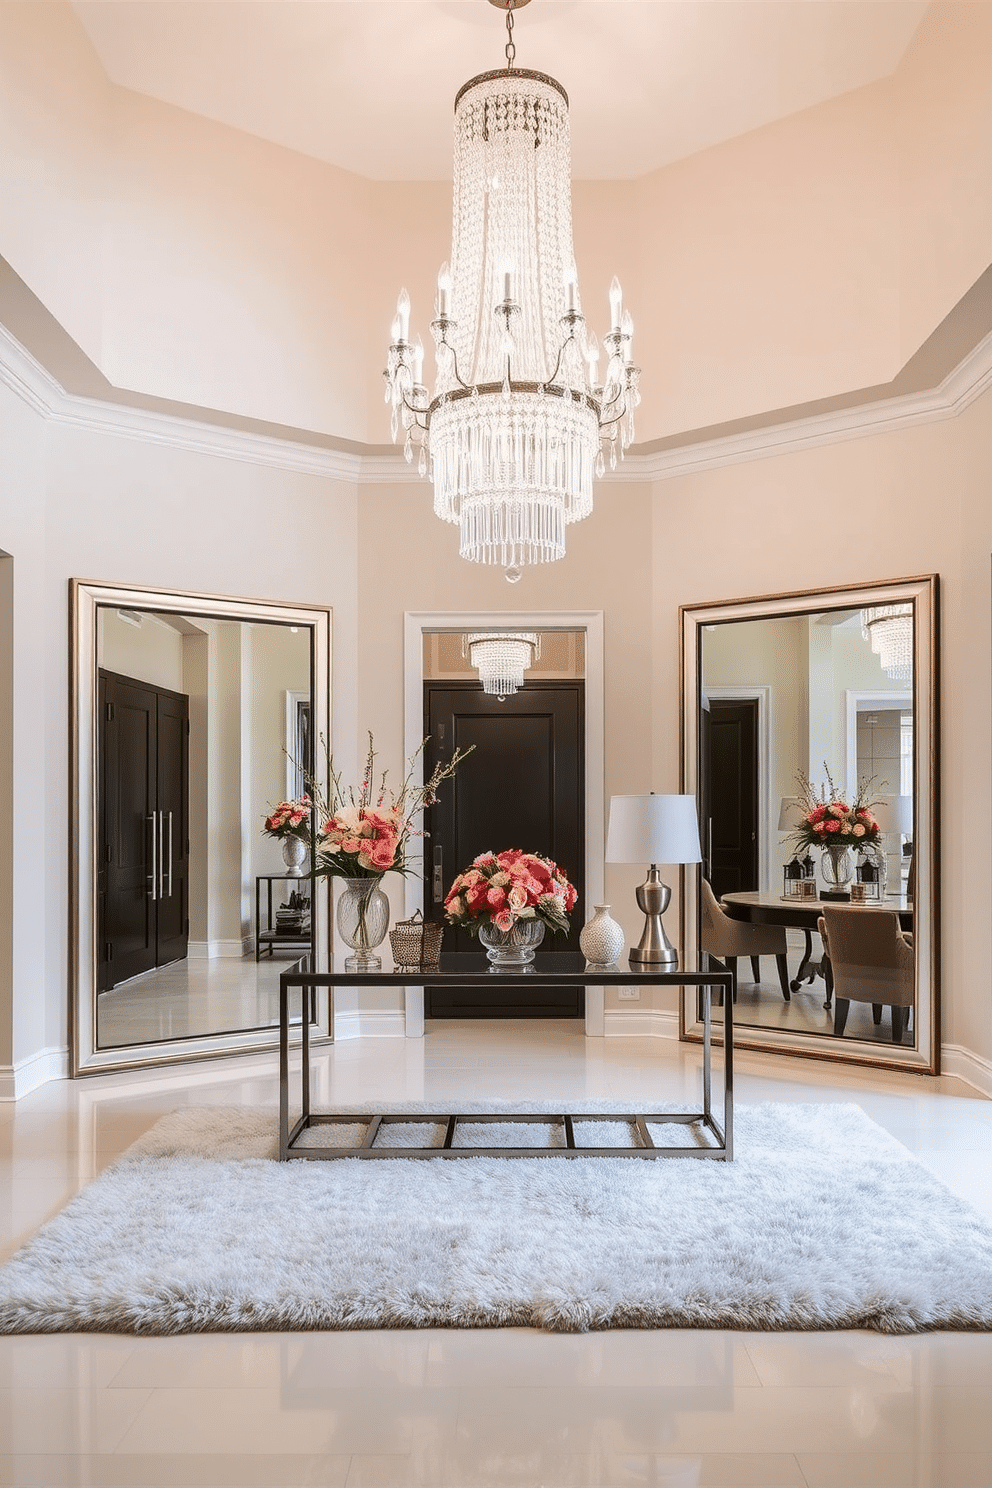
column 510, row 49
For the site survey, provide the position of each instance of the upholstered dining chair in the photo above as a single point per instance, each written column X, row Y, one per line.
column 869, row 958
column 727, row 939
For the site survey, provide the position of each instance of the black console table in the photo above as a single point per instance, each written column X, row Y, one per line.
column 551, row 969
column 268, row 936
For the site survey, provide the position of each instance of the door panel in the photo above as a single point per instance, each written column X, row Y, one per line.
column 523, row 786
column 733, row 795
column 143, row 774
column 173, row 798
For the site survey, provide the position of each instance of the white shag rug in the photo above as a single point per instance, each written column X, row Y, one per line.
column 822, row 1221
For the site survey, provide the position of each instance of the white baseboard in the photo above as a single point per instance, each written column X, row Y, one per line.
column 369, row 1023
column 640, row 1023
column 215, row 950
column 972, row 1068
column 18, row 1080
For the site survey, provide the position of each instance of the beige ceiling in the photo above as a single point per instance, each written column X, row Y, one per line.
column 369, row 84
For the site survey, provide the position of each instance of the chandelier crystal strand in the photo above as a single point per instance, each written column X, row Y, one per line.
column 889, row 628
column 514, row 432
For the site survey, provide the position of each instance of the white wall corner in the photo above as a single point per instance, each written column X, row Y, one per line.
column 640, row 1023
column 964, row 1065
column 369, row 1023
column 18, row 1080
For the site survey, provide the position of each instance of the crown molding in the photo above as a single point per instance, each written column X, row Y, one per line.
column 26, row 377
column 34, row 385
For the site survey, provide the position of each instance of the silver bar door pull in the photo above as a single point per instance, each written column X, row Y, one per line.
column 438, row 878
column 152, row 880
column 169, row 859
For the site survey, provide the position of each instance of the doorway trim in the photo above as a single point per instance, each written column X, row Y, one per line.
column 417, row 623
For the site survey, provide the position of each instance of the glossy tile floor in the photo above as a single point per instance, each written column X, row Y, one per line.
column 497, row 1408
column 189, row 998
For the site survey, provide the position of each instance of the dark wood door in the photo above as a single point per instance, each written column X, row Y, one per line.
column 142, row 810
column 732, row 778
column 523, row 786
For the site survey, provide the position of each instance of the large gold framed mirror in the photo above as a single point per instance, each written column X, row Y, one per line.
column 191, row 717
column 837, row 689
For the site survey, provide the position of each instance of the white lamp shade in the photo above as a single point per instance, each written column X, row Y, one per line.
column 894, row 814
column 653, row 829
column 789, row 813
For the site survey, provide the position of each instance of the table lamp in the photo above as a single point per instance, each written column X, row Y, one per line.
column 893, row 814
column 653, row 829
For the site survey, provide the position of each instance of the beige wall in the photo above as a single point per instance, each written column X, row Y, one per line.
column 804, row 259
column 886, row 507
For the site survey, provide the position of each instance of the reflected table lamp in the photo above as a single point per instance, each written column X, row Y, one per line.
column 893, row 814
column 653, row 829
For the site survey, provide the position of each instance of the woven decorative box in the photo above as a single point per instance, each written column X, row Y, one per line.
column 416, row 943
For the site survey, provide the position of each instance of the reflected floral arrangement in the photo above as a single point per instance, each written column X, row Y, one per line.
column 828, row 820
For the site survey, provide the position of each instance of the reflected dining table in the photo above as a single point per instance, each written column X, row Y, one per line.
column 758, row 908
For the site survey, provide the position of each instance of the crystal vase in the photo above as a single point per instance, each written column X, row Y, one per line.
column 837, row 870
column 294, row 854
column 362, row 919
column 512, row 950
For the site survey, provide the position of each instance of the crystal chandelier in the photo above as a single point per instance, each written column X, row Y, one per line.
column 889, row 628
column 501, row 658
column 518, row 421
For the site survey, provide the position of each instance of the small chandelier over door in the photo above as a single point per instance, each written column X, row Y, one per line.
column 518, row 421
column 501, row 658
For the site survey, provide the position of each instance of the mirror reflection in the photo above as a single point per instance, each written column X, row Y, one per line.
column 809, row 741
column 203, row 724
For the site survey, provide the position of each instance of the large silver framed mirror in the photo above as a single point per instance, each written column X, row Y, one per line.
column 191, row 717
column 833, row 691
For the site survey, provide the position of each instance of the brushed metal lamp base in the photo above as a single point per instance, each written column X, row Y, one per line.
column 654, row 948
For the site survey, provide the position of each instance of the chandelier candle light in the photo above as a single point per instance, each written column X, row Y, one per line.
column 518, row 421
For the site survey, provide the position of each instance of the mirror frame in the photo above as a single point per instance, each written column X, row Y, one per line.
column 924, row 1056
column 85, row 600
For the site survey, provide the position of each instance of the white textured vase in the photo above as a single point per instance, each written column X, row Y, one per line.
column 601, row 940
column 294, row 855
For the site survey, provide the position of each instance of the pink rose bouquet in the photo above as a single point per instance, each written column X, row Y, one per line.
column 829, row 821
column 367, row 832
column 290, row 819
column 505, row 887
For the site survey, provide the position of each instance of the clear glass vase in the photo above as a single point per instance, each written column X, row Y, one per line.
column 512, row 950
column 837, row 870
column 362, row 919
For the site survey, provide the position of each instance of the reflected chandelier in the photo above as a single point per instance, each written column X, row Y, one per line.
column 889, row 628
column 501, row 658
column 518, row 421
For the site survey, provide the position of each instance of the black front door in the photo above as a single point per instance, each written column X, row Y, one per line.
column 733, row 795
column 143, row 847
column 522, row 786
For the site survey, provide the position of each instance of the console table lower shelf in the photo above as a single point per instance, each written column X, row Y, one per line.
column 556, row 969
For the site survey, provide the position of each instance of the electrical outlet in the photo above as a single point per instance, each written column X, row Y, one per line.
column 629, row 994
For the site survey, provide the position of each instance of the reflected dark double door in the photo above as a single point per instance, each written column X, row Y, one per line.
column 143, row 828
column 522, row 786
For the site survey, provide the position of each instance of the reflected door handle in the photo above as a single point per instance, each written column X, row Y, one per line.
column 152, row 879
column 438, row 879
column 169, row 856
column 161, row 854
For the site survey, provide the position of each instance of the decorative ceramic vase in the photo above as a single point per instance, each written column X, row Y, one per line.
column 362, row 919
column 601, row 940
column 837, row 868
column 294, row 854
column 512, row 950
